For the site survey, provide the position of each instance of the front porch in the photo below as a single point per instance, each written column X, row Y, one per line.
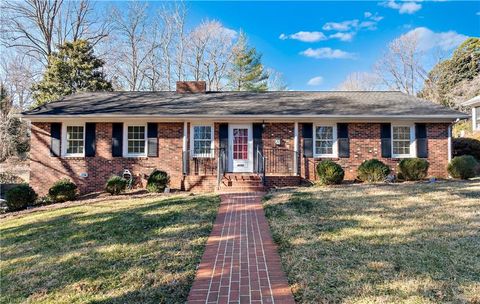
column 240, row 156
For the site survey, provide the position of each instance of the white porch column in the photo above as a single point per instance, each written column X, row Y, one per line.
column 449, row 143
column 295, row 148
column 185, row 132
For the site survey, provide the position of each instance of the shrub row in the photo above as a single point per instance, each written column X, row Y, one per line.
column 157, row 182
column 410, row 169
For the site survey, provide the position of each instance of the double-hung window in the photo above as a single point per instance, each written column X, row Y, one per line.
column 202, row 141
column 74, row 140
column 402, row 141
column 136, row 139
column 325, row 141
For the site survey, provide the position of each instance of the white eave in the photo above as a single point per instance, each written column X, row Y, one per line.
column 472, row 102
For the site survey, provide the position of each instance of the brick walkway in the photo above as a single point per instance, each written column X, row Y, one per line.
column 240, row 263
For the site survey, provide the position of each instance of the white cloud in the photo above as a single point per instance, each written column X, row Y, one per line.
column 305, row 36
column 343, row 36
column 341, row 26
column 367, row 14
column 369, row 25
column 327, row 53
column 427, row 39
column 407, row 7
column 478, row 14
column 315, row 81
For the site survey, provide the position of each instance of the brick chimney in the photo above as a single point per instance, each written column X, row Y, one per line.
column 185, row 87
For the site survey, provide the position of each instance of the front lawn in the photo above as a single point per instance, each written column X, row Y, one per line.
column 400, row 243
column 117, row 251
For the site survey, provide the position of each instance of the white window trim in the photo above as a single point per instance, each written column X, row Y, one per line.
column 212, row 136
column 413, row 141
column 335, row 140
column 64, row 139
column 475, row 127
column 125, row 140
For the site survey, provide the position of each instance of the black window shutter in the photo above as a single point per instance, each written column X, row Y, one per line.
column 90, row 139
column 223, row 135
column 55, row 135
column 421, row 138
column 307, row 134
column 257, row 143
column 117, row 139
column 343, row 141
column 386, row 138
column 152, row 139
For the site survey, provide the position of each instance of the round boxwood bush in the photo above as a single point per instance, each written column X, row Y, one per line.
column 462, row 167
column 63, row 190
column 329, row 172
column 20, row 197
column 157, row 181
column 413, row 169
column 466, row 146
column 116, row 185
column 373, row 170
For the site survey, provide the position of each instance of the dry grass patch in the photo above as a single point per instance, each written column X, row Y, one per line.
column 400, row 243
column 117, row 251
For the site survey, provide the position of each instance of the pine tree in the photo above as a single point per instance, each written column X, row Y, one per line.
column 247, row 72
column 72, row 69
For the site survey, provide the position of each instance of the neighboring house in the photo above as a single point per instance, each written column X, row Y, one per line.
column 205, row 139
column 474, row 104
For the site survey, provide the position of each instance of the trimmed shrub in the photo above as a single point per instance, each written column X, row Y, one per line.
column 63, row 190
column 20, row 197
column 413, row 169
column 466, row 146
column 373, row 170
column 157, row 181
column 462, row 167
column 116, row 185
column 329, row 172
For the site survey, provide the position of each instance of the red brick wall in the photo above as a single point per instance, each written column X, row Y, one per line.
column 45, row 169
column 365, row 144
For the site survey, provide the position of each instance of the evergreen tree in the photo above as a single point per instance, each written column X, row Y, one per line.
column 72, row 69
column 247, row 72
column 450, row 77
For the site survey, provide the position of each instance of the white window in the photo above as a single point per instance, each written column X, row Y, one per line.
column 325, row 144
column 74, row 140
column 135, row 140
column 403, row 138
column 201, row 141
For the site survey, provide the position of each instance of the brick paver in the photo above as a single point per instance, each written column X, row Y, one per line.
column 240, row 263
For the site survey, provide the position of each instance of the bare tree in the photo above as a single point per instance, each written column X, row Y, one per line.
column 130, row 28
column 360, row 81
column 210, row 53
column 275, row 81
column 401, row 67
column 36, row 27
column 18, row 74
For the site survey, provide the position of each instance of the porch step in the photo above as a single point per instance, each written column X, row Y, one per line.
column 238, row 182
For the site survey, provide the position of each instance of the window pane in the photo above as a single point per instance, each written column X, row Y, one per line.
column 324, row 140
column 136, row 139
column 401, row 140
column 202, row 140
column 74, row 140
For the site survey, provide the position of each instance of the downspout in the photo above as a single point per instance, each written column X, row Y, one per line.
column 295, row 149
column 449, row 142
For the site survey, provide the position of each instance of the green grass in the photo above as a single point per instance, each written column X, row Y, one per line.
column 130, row 251
column 400, row 243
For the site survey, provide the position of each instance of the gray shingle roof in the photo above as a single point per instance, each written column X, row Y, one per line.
column 238, row 104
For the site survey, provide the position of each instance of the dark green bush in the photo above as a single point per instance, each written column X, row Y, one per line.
column 116, row 185
column 20, row 197
column 463, row 167
column 329, row 172
column 466, row 146
column 413, row 169
column 157, row 181
column 63, row 190
column 373, row 170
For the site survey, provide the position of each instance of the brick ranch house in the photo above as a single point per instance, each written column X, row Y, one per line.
column 226, row 140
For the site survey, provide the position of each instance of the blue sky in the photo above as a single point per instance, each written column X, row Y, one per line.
column 366, row 27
